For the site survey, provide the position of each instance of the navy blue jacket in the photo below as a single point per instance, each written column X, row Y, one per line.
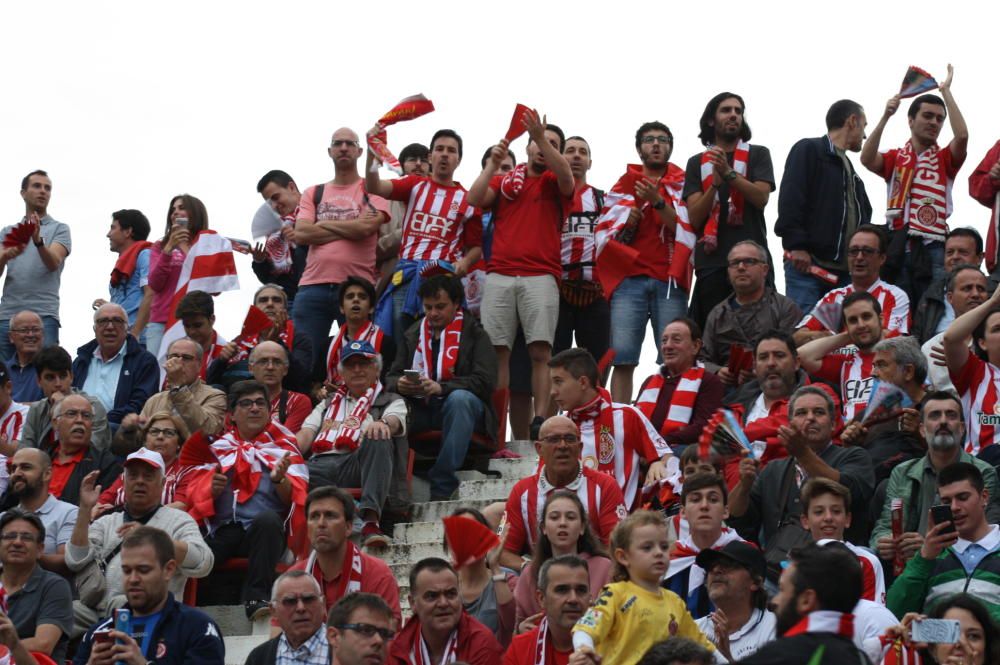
column 182, row 635
column 139, row 379
column 812, row 200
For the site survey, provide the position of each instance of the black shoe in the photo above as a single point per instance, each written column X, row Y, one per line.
column 257, row 609
column 536, row 428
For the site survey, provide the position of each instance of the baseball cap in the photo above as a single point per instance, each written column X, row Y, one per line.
column 736, row 551
column 147, row 456
column 357, row 348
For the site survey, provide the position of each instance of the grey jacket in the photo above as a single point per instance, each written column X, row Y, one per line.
column 729, row 324
column 38, row 424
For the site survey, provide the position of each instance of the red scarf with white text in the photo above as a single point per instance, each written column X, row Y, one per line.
column 926, row 198
column 420, row 655
column 351, row 572
column 245, row 346
column 346, row 435
column 451, row 338
column 513, row 182
column 710, row 234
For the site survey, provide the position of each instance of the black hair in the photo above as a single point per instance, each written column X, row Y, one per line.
column 332, row 492
column 128, row 218
column 559, row 132
column 878, row 231
column 241, row 389
column 840, row 111
column 432, row 563
column 813, row 563
column 450, row 284
column 975, row 607
column 707, row 133
column 414, row 151
column 446, row 133
column 933, row 100
column 195, row 303
column 941, row 395
column 648, row 127
column 967, row 232
column 17, row 514
column 577, row 362
column 859, row 296
column 953, row 275
column 486, row 157
column 341, row 612
column 782, row 337
column 675, row 650
column 353, row 280
column 278, row 177
column 53, row 358
column 703, row 480
column 959, row 471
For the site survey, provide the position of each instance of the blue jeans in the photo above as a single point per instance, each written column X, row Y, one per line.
column 916, row 286
column 400, row 320
column 316, row 308
column 805, row 289
column 154, row 335
column 637, row 300
column 50, row 328
column 457, row 416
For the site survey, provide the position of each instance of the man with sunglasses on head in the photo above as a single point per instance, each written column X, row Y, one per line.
column 866, row 253
column 297, row 603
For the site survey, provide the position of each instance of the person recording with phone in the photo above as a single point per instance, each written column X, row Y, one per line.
column 961, row 549
column 963, row 633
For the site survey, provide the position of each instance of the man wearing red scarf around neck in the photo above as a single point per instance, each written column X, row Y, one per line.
column 129, row 287
column 920, row 176
column 616, row 437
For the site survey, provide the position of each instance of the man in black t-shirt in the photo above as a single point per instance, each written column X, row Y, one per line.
column 726, row 188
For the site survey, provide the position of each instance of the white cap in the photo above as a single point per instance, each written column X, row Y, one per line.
column 147, row 456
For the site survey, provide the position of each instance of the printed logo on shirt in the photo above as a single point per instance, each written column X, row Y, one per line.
column 606, row 446
column 857, row 390
column 588, row 620
column 628, row 604
column 432, row 226
column 991, row 419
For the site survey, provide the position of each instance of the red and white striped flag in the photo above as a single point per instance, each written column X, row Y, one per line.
column 210, row 267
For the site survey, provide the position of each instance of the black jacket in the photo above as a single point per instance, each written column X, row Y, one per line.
column 929, row 311
column 139, row 379
column 812, row 200
column 267, row 653
column 93, row 460
column 800, row 649
column 288, row 281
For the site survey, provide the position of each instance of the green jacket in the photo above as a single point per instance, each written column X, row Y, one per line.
column 904, row 483
column 925, row 581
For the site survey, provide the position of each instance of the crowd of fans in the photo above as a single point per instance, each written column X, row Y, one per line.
column 804, row 478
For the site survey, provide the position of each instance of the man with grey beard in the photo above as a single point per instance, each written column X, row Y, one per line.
column 942, row 425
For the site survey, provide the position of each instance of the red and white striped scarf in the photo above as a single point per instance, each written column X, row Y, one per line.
column 710, row 235
column 368, row 333
column 420, row 654
column 279, row 249
column 681, row 402
column 684, row 553
column 513, row 182
column 923, row 201
column 541, row 644
column 351, row 573
column 245, row 346
column 451, row 338
column 3, row 599
column 347, row 434
column 824, row 621
column 899, row 653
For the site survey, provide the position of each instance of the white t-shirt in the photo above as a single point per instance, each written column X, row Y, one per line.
column 757, row 632
column 871, row 621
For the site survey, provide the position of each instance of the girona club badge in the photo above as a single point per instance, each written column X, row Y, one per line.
column 352, row 422
column 605, row 446
column 927, row 215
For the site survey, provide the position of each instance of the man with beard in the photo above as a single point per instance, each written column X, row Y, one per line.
column 644, row 246
column 337, row 564
column 162, row 630
column 741, row 623
column 359, row 630
column 962, row 553
column 741, row 318
column 851, row 370
column 813, row 610
column 934, row 311
column 942, row 425
column 866, row 254
column 967, row 288
column 726, row 188
column 30, row 473
column 440, row 630
column 920, row 177
column 564, row 595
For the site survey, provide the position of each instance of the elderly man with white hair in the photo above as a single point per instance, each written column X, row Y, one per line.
column 350, row 436
column 114, row 367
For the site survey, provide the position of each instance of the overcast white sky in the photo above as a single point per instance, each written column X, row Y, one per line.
column 127, row 104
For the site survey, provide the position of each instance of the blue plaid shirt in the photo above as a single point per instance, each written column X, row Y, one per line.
column 314, row 651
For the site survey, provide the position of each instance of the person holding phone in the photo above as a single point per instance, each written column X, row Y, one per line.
column 962, row 546
column 974, row 638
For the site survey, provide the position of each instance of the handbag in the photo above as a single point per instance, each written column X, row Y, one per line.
column 789, row 533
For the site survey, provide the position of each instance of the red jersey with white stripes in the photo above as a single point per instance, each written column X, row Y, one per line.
column 602, row 502
column 894, row 301
column 435, row 218
column 12, row 421
column 579, row 252
column 979, row 385
column 852, row 371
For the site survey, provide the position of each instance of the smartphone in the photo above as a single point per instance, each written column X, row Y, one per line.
column 123, row 621
column 102, row 636
column 942, row 513
column 936, row 631
column 412, row 375
column 181, row 221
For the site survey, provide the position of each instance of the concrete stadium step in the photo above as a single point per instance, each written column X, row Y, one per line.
column 238, row 647
column 433, row 511
column 418, row 532
column 490, row 489
column 409, row 553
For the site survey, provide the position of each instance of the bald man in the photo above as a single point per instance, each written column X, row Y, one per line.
column 114, row 367
column 339, row 222
column 30, row 473
column 26, row 334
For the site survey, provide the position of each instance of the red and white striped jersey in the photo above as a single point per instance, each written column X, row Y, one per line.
column 12, row 421
column 601, row 497
column 852, row 371
column 434, row 220
column 579, row 252
column 894, row 301
column 872, row 577
column 979, row 385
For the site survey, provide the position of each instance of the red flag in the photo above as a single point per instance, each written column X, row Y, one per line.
column 616, row 262
column 516, row 122
column 255, row 323
column 197, row 452
column 408, row 109
column 468, row 540
column 740, row 358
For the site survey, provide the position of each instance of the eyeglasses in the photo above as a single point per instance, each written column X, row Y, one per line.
column 649, row 140
column 165, row 431
column 857, row 251
column 26, row 331
column 368, row 630
column 11, row 536
column 104, row 323
column 270, row 362
column 343, row 142
column 749, row 263
column 291, row 602
column 187, row 357
column 260, row 403
column 73, row 414
column 556, row 439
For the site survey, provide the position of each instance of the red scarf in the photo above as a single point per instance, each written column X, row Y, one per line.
column 245, row 346
column 451, row 339
column 681, row 402
column 824, row 621
column 3, row 599
column 513, row 182
column 279, row 250
column 348, row 434
column 125, row 265
column 710, row 234
column 542, row 643
column 926, row 199
column 351, row 572
column 369, row 333
column 592, row 409
column 420, row 654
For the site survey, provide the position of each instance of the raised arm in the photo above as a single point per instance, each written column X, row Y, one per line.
column 812, row 353
column 481, row 194
column 553, row 158
column 870, row 156
column 960, row 142
column 956, row 336
column 374, row 184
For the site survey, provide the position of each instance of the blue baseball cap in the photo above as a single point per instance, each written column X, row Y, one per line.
column 357, row 348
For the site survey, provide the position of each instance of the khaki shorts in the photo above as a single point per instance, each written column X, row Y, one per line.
column 532, row 301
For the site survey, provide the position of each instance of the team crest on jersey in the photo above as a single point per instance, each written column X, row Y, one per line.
column 605, row 445
column 926, row 214
column 621, row 512
column 454, row 207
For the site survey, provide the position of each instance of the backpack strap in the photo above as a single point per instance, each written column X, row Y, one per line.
column 318, row 194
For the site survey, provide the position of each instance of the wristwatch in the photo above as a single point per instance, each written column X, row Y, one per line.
column 729, row 177
column 660, row 205
column 39, row 244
